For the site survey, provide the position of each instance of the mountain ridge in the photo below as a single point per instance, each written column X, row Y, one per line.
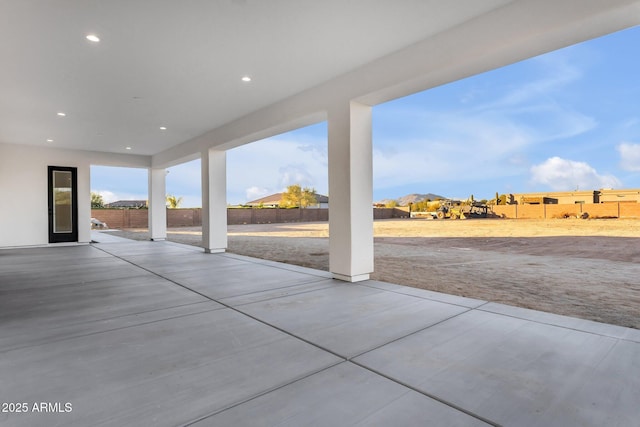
column 412, row 198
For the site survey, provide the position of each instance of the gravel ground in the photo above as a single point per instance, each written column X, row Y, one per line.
column 582, row 268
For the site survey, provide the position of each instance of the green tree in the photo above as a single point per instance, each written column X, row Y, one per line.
column 308, row 197
column 391, row 204
column 295, row 196
column 425, row 205
column 96, row 200
column 173, row 202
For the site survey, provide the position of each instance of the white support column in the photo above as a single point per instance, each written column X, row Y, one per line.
column 214, row 201
column 84, row 205
column 157, row 204
column 350, row 192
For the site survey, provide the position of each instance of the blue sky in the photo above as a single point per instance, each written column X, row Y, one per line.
column 565, row 120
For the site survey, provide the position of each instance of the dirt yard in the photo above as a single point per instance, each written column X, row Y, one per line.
column 583, row 268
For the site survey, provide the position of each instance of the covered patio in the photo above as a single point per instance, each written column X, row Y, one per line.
column 95, row 330
column 157, row 333
column 140, row 86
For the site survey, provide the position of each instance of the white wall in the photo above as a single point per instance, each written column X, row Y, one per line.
column 24, row 217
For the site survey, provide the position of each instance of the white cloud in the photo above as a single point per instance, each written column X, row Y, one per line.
column 549, row 122
column 470, row 96
column 184, row 180
column 317, row 150
column 110, row 196
column 295, row 174
column 537, row 104
column 565, row 175
column 274, row 163
column 554, row 72
column 491, row 138
column 185, row 176
column 191, row 201
column 107, row 196
column 461, row 148
column 253, row 193
column 629, row 156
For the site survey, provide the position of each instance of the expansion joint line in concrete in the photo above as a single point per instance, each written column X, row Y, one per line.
column 87, row 334
column 272, row 264
column 225, row 305
column 416, row 296
column 556, row 325
column 429, row 395
column 344, row 359
column 256, row 396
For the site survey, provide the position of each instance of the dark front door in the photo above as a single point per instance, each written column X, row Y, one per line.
column 63, row 204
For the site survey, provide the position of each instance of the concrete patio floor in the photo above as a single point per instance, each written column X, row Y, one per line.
column 156, row 333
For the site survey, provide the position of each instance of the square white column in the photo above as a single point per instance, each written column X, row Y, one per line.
column 350, row 192
column 157, row 204
column 84, row 205
column 214, row 201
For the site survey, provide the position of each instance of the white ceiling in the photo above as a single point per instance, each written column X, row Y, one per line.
column 179, row 63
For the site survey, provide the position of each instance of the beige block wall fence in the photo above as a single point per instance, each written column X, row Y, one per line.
column 138, row 218
column 600, row 210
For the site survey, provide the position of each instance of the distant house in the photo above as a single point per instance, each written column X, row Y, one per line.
column 609, row 195
column 605, row 195
column 128, row 204
column 273, row 201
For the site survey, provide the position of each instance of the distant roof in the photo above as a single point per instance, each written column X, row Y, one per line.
column 127, row 204
column 274, row 199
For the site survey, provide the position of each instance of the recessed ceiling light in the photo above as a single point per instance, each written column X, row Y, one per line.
column 93, row 38
column 246, row 79
column 49, row 140
column 163, row 128
column 61, row 114
column 127, row 148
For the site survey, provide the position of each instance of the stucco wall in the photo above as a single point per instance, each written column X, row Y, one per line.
column 506, row 211
column 602, row 210
column 562, row 211
column 594, row 210
column 23, row 182
column 629, row 210
column 531, row 211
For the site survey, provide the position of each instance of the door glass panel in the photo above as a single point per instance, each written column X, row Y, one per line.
column 62, row 202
